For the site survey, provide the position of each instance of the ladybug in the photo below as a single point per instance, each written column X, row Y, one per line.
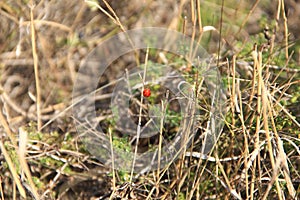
column 146, row 92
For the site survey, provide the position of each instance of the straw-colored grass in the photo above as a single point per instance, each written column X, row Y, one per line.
column 255, row 46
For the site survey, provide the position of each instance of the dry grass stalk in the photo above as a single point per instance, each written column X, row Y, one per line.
column 36, row 69
column 13, row 170
column 254, row 160
column 21, row 154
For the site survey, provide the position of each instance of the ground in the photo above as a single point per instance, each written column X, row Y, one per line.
column 51, row 146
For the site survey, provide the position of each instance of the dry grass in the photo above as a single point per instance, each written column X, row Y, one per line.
column 256, row 49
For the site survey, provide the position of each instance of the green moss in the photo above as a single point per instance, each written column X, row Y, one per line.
column 181, row 196
column 38, row 183
column 121, row 143
column 51, row 162
column 13, row 154
column 68, row 170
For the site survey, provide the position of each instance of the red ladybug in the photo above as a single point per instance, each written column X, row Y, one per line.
column 146, row 92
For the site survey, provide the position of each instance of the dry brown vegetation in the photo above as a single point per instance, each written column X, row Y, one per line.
column 257, row 156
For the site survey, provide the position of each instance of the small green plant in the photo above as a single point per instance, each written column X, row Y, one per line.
column 121, row 143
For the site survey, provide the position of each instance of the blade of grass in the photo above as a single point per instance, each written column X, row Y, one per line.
column 113, row 164
column 1, row 190
column 13, row 170
column 257, row 69
column 114, row 17
column 282, row 155
column 36, row 68
column 138, row 132
column 248, row 16
column 7, row 129
column 21, row 153
column 264, row 100
column 286, row 31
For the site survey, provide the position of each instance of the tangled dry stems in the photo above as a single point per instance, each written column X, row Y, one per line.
column 257, row 156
